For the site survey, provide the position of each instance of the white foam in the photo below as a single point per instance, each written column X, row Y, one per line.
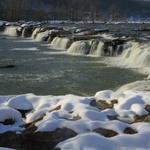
column 136, row 56
column 35, row 32
column 61, row 43
column 11, row 30
column 40, row 36
column 25, row 49
column 80, row 47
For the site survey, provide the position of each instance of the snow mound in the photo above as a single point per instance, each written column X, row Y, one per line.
column 139, row 109
column 89, row 141
column 104, row 95
column 112, row 128
column 9, row 113
column 20, row 103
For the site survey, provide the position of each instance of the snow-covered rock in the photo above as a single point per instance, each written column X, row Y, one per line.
column 104, row 95
column 91, row 124
column 9, row 113
column 139, row 109
column 88, row 141
column 20, row 102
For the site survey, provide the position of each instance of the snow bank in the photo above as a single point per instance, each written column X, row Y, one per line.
column 114, row 127
column 9, row 113
column 93, row 141
column 89, row 141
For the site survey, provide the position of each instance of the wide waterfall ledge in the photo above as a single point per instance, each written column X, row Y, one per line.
column 127, row 50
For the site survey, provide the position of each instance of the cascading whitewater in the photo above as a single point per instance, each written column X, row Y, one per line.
column 98, row 51
column 35, row 32
column 62, row 43
column 11, row 30
column 42, row 36
column 80, row 47
column 137, row 55
column 23, row 32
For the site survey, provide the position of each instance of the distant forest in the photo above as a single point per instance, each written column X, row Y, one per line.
column 74, row 10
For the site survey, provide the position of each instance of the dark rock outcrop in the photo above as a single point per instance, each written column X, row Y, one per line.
column 129, row 130
column 106, row 132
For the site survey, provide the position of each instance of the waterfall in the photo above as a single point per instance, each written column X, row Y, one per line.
column 62, row 43
column 137, row 55
column 42, row 36
column 11, row 31
column 80, row 47
column 35, row 32
column 99, row 49
column 94, row 44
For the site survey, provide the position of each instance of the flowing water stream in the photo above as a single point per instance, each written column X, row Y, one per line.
column 42, row 70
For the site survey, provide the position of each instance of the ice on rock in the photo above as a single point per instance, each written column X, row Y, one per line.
column 20, row 103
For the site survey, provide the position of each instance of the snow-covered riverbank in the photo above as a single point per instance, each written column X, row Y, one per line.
column 108, row 120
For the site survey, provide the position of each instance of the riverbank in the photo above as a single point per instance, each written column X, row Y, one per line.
column 72, row 122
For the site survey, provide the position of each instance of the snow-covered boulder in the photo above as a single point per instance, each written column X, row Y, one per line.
column 139, row 109
column 9, row 115
column 104, row 95
column 20, row 103
column 89, row 141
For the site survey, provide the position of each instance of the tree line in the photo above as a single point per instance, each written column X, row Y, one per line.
column 74, row 10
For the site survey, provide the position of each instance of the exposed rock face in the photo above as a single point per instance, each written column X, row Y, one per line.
column 27, row 31
column 129, row 130
column 101, row 104
column 8, row 122
column 147, row 108
column 113, row 47
column 43, row 141
column 37, row 140
column 106, row 132
column 11, row 139
column 2, row 27
column 145, row 118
